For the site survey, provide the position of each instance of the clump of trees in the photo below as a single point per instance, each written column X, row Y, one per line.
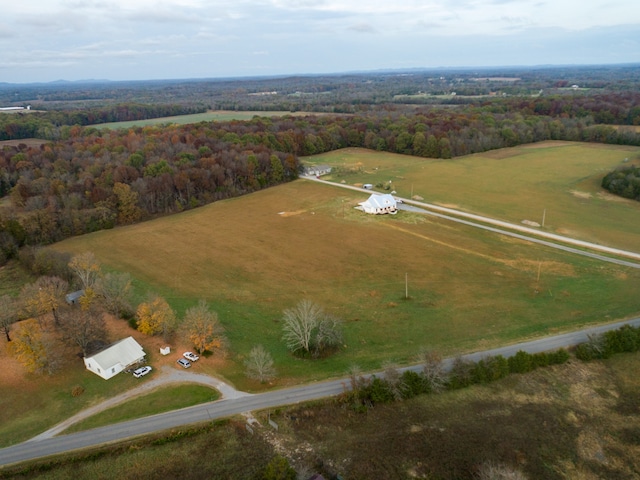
column 309, row 331
column 624, row 182
column 624, row 339
column 38, row 324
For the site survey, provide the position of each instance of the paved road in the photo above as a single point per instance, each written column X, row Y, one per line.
column 239, row 404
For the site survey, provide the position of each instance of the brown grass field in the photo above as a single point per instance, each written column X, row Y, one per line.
column 254, row 256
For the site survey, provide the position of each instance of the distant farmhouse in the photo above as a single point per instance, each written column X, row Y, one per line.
column 380, row 204
column 316, row 170
column 115, row 358
column 9, row 109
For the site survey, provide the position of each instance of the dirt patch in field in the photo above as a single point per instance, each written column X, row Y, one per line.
column 579, row 194
column 291, row 214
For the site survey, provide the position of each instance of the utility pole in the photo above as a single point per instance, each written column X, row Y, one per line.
column 544, row 214
column 406, row 285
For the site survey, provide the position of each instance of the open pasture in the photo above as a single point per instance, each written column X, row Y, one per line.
column 210, row 116
column 254, row 256
column 557, row 180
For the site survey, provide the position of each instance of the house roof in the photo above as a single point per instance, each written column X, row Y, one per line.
column 73, row 296
column 124, row 352
column 380, row 201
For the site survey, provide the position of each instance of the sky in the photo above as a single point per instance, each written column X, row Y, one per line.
column 49, row 40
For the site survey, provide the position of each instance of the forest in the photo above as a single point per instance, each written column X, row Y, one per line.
column 81, row 179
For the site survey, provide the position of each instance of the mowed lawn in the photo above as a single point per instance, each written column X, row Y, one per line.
column 254, row 256
column 558, row 180
column 210, row 116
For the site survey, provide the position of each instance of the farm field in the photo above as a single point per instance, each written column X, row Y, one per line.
column 557, row 180
column 254, row 256
column 211, row 116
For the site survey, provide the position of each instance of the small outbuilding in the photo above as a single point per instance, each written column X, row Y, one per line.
column 74, row 297
column 115, row 358
column 380, row 204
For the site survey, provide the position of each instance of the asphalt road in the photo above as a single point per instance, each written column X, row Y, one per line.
column 35, row 449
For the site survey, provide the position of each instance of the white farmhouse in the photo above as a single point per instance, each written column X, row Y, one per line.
column 380, row 204
column 115, row 358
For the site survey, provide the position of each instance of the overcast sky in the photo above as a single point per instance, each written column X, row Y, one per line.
column 46, row 40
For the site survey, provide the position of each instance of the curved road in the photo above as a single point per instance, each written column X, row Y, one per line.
column 43, row 447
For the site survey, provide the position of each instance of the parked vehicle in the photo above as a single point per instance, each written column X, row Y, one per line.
column 141, row 372
column 191, row 356
column 183, row 362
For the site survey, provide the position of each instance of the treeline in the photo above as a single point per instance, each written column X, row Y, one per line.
column 607, row 108
column 434, row 377
column 624, row 182
column 98, row 180
column 55, row 125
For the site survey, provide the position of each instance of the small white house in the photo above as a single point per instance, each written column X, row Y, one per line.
column 115, row 358
column 380, row 204
column 317, row 170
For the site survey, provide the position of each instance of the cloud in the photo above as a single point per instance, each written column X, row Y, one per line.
column 363, row 28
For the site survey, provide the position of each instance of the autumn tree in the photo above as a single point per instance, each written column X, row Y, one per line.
column 32, row 349
column 114, row 291
column 44, row 295
column 259, row 364
column 307, row 329
column 128, row 210
column 8, row 314
column 156, row 317
column 202, row 328
column 86, row 267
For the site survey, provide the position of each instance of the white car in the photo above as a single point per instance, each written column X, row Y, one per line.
column 191, row 356
column 183, row 363
column 141, row 372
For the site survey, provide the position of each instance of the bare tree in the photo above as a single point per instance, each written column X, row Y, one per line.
column 394, row 379
column 86, row 267
column 260, row 364
column 299, row 325
column 114, row 291
column 202, row 328
column 433, row 370
column 493, row 471
column 86, row 328
column 308, row 329
column 8, row 314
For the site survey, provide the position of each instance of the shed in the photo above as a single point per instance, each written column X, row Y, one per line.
column 380, row 204
column 115, row 358
column 73, row 297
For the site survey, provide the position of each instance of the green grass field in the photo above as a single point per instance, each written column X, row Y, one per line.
column 514, row 184
column 161, row 400
column 211, row 116
column 254, row 256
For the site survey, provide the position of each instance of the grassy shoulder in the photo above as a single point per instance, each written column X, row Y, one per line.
column 577, row 420
column 159, row 401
